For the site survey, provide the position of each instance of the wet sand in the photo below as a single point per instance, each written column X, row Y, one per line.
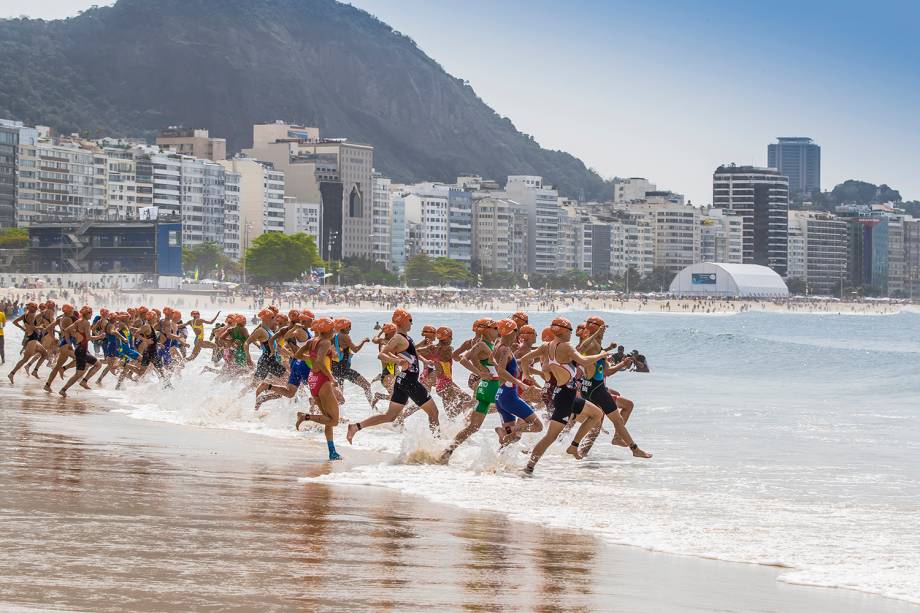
column 102, row 512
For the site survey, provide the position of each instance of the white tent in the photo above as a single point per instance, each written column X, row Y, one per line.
column 729, row 280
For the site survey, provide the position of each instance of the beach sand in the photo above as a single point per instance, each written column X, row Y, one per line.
column 102, row 512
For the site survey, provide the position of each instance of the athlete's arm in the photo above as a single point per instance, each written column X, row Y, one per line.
column 205, row 321
column 390, row 353
column 501, row 358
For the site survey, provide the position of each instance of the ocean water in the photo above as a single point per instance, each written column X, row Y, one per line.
column 782, row 439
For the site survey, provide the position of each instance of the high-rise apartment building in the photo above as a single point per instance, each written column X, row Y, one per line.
column 303, row 217
column 677, row 232
column 380, row 220
column 499, row 236
column 12, row 135
column 817, row 251
column 799, row 159
column 761, row 197
column 261, row 195
column 193, row 142
column 334, row 172
column 543, row 210
column 60, row 182
column 721, row 237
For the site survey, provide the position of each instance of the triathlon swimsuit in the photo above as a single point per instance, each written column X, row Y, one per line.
column 268, row 363
column 316, row 380
column 82, row 355
column 565, row 400
column 487, row 388
column 341, row 368
column 445, row 376
column 507, row 401
column 407, row 384
column 300, row 370
column 595, row 390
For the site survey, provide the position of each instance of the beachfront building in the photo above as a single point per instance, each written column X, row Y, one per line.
column 261, row 195
column 499, row 236
column 58, row 182
column 631, row 189
column 911, row 257
column 761, row 197
column 632, row 243
column 721, row 237
column 460, row 225
column 799, row 159
column 398, row 233
column 719, row 280
column 192, row 142
column 233, row 232
column 303, row 217
column 380, row 220
column 332, row 171
column 817, row 251
column 13, row 134
column 541, row 202
column 676, row 228
column 877, row 258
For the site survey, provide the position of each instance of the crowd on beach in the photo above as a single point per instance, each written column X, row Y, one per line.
column 560, row 380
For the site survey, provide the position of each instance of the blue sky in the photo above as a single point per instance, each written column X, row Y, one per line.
column 668, row 90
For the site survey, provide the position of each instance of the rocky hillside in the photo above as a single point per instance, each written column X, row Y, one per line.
column 142, row 65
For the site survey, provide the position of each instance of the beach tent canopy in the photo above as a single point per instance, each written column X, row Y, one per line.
column 729, row 281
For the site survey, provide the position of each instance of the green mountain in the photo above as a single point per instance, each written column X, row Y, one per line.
column 141, row 65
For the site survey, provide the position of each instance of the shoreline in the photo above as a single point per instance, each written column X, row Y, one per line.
column 222, row 455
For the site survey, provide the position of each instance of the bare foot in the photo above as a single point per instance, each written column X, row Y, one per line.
column 11, row 377
column 35, row 374
column 618, row 441
column 301, row 417
column 63, row 393
column 445, row 457
column 638, row 453
column 84, row 384
column 572, row 450
column 352, row 430
column 47, row 387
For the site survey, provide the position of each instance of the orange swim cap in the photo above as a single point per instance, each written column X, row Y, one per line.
column 444, row 333
column 506, row 327
column 273, row 308
column 281, row 319
column 266, row 314
column 388, row 329
column 31, row 307
column 86, row 310
column 342, row 323
column 594, row 322
column 151, row 316
column 67, row 308
column 581, row 331
column 520, row 318
column 547, row 335
column 294, row 315
column 528, row 331
column 323, row 325
column 429, row 331
column 561, row 322
column 401, row 317
column 176, row 315
column 307, row 316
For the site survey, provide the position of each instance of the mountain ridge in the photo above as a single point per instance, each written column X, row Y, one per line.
column 138, row 66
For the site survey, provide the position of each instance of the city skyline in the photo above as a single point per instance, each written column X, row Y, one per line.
column 680, row 99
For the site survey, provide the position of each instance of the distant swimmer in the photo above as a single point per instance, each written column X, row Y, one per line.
column 400, row 350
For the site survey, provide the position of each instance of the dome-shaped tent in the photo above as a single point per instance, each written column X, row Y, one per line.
column 729, row 280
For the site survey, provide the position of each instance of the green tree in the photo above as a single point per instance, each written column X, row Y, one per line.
column 367, row 272
column 14, row 238
column 205, row 257
column 275, row 257
column 451, row 272
column 420, row 270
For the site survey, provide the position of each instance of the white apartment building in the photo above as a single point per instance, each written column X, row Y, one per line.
column 499, row 236
column 632, row 243
column 233, row 238
column 817, row 251
column 121, row 184
column 543, row 210
column 677, row 232
column 398, row 233
column 721, row 237
column 305, row 217
column 631, row 189
column 380, row 220
column 261, row 195
column 59, row 182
